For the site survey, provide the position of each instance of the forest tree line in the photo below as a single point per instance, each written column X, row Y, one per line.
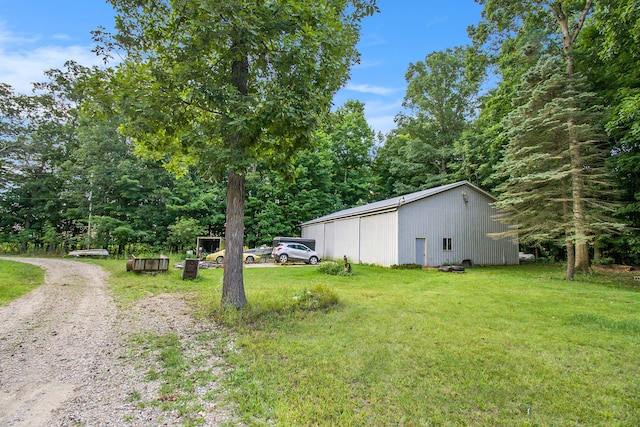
column 556, row 138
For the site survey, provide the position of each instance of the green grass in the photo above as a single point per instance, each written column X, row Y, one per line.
column 17, row 279
column 493, row 346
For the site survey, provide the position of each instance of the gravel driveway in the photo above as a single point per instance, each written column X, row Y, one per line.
column 65, row 358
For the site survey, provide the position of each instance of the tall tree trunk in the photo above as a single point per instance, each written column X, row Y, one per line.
column 569, row 36
column 571, row 259
column 597, row 254
column 233, row 282
column 577, row 195
column 569, row 245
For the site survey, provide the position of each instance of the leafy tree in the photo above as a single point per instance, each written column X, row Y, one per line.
column 406, row 163
column 224, row 85
column 350, row 140
column 611, row 53
column 480, row 147
column 277, row 204
column 184, row 232
column 442, row 93
column 441, row 98
column 36, row 130
column 51, row 237
column 11, row 126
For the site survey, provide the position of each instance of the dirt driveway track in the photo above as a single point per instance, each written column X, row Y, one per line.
column 64, row 359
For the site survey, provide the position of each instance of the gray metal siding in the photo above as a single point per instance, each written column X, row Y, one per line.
column 346, row 239
column 328, row 241
column 379, row 239
column 316, row 232
column 447, row 215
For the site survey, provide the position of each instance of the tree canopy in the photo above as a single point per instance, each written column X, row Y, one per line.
column 225, row 85
column 234, row 99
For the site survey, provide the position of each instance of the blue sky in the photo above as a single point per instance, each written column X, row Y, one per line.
column 36, row 35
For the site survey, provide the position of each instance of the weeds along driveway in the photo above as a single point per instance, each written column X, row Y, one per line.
column 66, row 355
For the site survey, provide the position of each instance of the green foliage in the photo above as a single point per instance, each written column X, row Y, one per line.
column 318, row 297
column 62, row 156
column 184, row 232
column 333, row 268
column 224, row 86
column 441, row 96
column 271, row 104
column 406, row 267
column 555, row 119
column 349, row 140
column 286, row 303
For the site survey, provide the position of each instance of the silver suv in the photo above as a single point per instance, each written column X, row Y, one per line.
column 295, row 251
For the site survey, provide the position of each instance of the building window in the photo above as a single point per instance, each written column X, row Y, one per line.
column 446, row 244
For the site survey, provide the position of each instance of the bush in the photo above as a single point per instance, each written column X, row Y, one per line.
column 319, row 297
column 265, row 307
column 332, row 268
column 406, row 267
column 604, row 261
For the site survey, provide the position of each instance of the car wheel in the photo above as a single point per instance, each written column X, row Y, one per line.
column 283, row 258
column 219, row 259
column 313, row 260
column 249, row 259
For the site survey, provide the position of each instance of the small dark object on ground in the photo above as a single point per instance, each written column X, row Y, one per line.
column 190, row 270
column 347, row 265
column 148, row 265
column 451, row 269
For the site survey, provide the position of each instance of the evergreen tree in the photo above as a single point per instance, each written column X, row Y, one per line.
column 555, row 117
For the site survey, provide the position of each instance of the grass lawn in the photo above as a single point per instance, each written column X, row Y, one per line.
column 17, row 279
column 493, row 346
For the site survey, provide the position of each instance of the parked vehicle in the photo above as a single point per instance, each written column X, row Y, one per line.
column 247, row 257
column 524, row 257
column 262, row 251
column 310, row 243
column 295, row 251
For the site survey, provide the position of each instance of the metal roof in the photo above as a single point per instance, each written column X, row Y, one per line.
column 394, row 203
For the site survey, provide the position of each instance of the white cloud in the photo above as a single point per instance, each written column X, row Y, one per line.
column 61, row 37
column 22, row 68
column 23, row 59
column 376, row 90
column 368, row 64
column 380, row 115
column 382, row 124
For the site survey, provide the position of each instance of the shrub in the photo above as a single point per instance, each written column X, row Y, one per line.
column 332, row 268
column 604, row 261
column 319, row 297
column 265, row 307
column 406, row 267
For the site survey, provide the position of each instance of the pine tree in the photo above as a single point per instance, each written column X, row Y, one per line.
column 551, row 196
